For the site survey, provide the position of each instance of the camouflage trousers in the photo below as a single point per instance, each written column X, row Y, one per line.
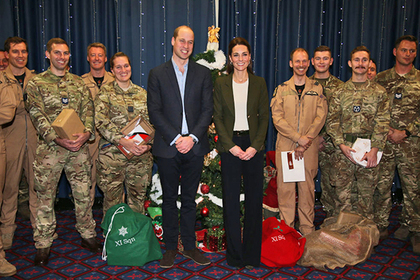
column 406, row 157
column 49, row 163
column 328, row 197
column 114, row 172
column 345, row 175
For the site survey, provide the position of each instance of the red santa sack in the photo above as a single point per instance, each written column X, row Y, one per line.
column 281, row 245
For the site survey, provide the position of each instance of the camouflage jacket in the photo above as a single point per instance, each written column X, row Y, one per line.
column 404, row 96
column 360, row 110
column 115, row 108
column 48, row 95
column 329, row 85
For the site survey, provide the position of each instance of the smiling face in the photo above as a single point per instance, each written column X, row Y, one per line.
column 96, row 58
column 300, row 63
column 322, row 61
column 406, row 53
column 17, row 55
column 183, row 45
column 121, row 69
column 240, row 58
column 59, row 58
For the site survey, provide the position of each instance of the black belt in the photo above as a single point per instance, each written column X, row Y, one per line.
column 240, row 132
column 353, row 137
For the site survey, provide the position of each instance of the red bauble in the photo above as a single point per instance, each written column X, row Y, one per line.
column 216, row 138
column 204, row 211
column 205, row 189
column 147, row 204
column 220, row 163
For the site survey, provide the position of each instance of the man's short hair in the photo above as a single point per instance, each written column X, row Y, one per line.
column 298, row 50
column 57, row 41
column 176, row 31
column 410, row 38
column 323, row 49
column 13, row 40
column 96, row 45
column 359, row 49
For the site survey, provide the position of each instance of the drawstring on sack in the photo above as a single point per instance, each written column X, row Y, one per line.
column 118, row 211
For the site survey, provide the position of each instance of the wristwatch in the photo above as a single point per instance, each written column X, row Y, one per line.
column 194, row 140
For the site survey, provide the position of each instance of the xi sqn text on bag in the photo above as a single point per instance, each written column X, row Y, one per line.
column 282, row 246
column 130, row 239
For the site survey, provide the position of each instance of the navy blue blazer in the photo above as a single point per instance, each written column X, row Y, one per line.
column 165, row 107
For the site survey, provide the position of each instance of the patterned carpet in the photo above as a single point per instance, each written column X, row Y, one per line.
column 393, row 260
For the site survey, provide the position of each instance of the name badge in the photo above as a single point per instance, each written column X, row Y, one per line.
column 356, row 109
column 64, row 100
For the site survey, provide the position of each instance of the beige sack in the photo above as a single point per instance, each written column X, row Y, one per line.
column 344, row 240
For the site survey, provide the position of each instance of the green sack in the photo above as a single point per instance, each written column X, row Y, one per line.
column 129, row 238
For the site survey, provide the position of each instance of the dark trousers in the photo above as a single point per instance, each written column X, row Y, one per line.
column 247, row 251
column 188, row 167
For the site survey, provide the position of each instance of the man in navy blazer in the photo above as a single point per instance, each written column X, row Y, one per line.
column 180, row 105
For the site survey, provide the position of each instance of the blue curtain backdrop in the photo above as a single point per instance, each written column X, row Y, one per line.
column 143, row 30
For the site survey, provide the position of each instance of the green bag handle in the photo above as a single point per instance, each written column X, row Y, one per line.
column 119, row 210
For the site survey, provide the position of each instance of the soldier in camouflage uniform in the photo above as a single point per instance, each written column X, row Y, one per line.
column 402, row 150
column 48, row 94
column 20, row 138
column 322, row 61
column 359, row 108
column 97, row 77
column 115, row 106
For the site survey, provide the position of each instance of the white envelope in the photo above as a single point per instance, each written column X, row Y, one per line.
column 296, row 171
column 362, row 146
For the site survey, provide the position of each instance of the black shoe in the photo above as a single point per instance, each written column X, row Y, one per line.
column 41, row 257
column 196, row 256
column 168, row 259
column 92, row 244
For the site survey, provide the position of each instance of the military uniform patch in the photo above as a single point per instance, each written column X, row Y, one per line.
column 356, row 109
column 64, row 100
column 398, row 95
column 312, row 93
